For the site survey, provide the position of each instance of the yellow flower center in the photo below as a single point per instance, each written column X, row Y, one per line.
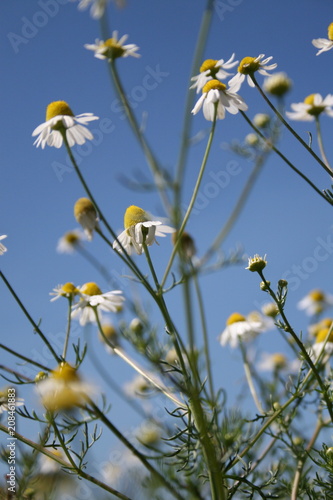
column 248, row 65
column 69, row 288
column 330, row 32
column 133, row 216
column 66, row 372
column 83, row 206
column 109, row 331
column 279, row 360
column 112, row 49
column 210, row 65
column 322, row 334
column 314, row 110
column 57, row 108
column 212, row 85
column 235, row 318
column 317, row 295
column 71, row 238
column 91, row 289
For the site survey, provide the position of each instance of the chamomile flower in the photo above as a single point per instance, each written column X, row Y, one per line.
column 248, row 66
column 112, row 48
column 324, row 44
column 315, row 328
column 238, row 327
column 256, row 263
column 312, row 106
column 323, row 344
column 277, row 84
column 215, row 94
column 92, row 299
column 139, row 228
column 277, row 362
column 68, row 290
column 86, row 215
column 64, row 389
column 212, row 69
column 3, row 249
column 70, row 241
column 60, row 119
column 315, row 302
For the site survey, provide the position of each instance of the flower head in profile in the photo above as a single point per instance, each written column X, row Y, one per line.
column 212, row 69
column 70, row 241
column 324, row 44
column 312, row 106
column 68, row 290
column 61, row 120
column 256, row 263
column 323, row 344
column 315, row 328
column 277, row 362
column 93, row 301
column 3, row 249
column 315, row 302
column 86, row 215
column 139, row 228
column 112, row 48
column 97, row 7
column 63, row 389
column 277, row 84
column 240, row 328
column 216, row 99
column 246, row 69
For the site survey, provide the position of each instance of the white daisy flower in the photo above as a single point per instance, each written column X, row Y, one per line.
column 92, row 299
column 323, row 344
column 139, row 228
column 64, row 389
column 97, row 7
column 277, row 362
column 60, row 118
column 139, row 386
column 315, row 302
column 70, row 241
column 322, row 43
column 68, row 290
column 311, row 108
column 239, row 327
column 9, row 401
column 212, row 69
column 3, row 249
column 216, row 92
column 86, row 215
column 113, row 48
column 248, row 66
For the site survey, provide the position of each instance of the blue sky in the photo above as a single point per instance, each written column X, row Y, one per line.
column 44, row 59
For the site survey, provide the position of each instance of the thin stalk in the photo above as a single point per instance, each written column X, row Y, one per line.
column 204, row 332
column 321, row 144
column 68, row 331
column 286, row 124
column 300, row 344
column 249, row 379
column 135, row 452
column 192, row 201
column 152, row 162
column 302, row 460
column 185, row 137
column 36, row 327
column 284, row 158
column 25, row 358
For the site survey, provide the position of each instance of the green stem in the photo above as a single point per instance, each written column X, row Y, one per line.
column 278, row 152
column 305, row 354
column 249, row 379
column 286, row 124
column 36, row 327
column 192, row 201
column 321, row 144
column 135, row 452
column 68, row 331
column 28, row 360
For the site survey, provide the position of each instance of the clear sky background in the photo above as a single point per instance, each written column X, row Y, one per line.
column 43, row 59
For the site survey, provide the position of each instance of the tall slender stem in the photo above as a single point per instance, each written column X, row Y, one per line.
column 321, row 144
